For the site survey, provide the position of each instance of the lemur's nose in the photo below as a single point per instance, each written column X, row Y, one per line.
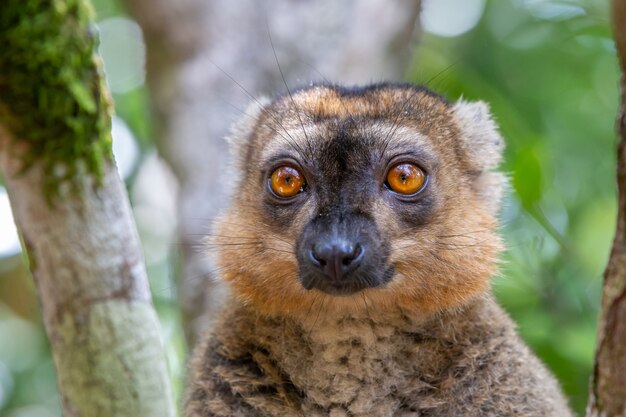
column 336, row 258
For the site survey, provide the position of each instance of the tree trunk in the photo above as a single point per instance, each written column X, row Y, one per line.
column 73, row 213
column 608, row 386
column 202, row 54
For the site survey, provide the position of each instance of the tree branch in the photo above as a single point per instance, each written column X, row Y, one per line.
column 73, row 213
column 608, row 387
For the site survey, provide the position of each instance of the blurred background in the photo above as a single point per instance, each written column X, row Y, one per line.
column 549, row 71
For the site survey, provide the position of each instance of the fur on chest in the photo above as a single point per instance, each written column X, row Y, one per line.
column 465, row 363
column 360, row 367
column 350, row 367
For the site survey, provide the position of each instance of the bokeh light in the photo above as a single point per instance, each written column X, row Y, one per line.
column 451, row 17
column 124, row 53
column 9, row 240
column 125, row 148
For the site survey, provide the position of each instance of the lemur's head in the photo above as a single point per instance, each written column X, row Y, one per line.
column 374, row 197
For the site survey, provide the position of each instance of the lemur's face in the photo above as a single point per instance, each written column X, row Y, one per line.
column 378, row 197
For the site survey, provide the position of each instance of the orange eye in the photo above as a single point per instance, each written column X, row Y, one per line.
column 286, row 181
column 406, row 178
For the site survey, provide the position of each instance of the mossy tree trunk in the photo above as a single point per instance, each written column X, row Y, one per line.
column 73, row 213
column 608, row 386
column 201, row 56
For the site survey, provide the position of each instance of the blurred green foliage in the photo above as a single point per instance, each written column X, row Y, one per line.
column 551, row 80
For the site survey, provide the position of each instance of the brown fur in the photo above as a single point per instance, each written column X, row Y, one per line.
column 465, row 362
column 431, row 341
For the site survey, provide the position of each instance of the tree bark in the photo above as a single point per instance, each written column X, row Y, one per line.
column 203, row 54
column 73, row 214
column 608, row 386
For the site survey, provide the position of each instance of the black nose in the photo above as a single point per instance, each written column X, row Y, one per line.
column 336, row 259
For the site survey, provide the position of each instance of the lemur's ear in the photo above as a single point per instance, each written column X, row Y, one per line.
column 239, row 134
column 483, row 146
column 481, row 139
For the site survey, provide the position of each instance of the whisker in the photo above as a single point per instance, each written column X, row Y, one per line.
column 282, row 75
column 443, row 71
column 343, row 105
column 466, row 234
column 318, row 72
column 256, row 100
column 469, row 234
column 319, row 311
column 279, row 250
column 367, row 309
column 444, row 261
column 258, row 229
column 237, row 246
column 396, row 123
column 237, row 83
column 446, row 246
column 315, row 297
column 290, row 139
column 192, row 279
column 230, row 237
column 217, row 245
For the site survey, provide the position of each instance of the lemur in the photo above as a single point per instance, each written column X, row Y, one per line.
column 359, row 248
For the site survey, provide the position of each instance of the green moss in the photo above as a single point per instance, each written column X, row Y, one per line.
column 52, row 93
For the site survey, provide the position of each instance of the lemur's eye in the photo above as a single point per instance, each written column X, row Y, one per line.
column 286, row 182
column 405, row 178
